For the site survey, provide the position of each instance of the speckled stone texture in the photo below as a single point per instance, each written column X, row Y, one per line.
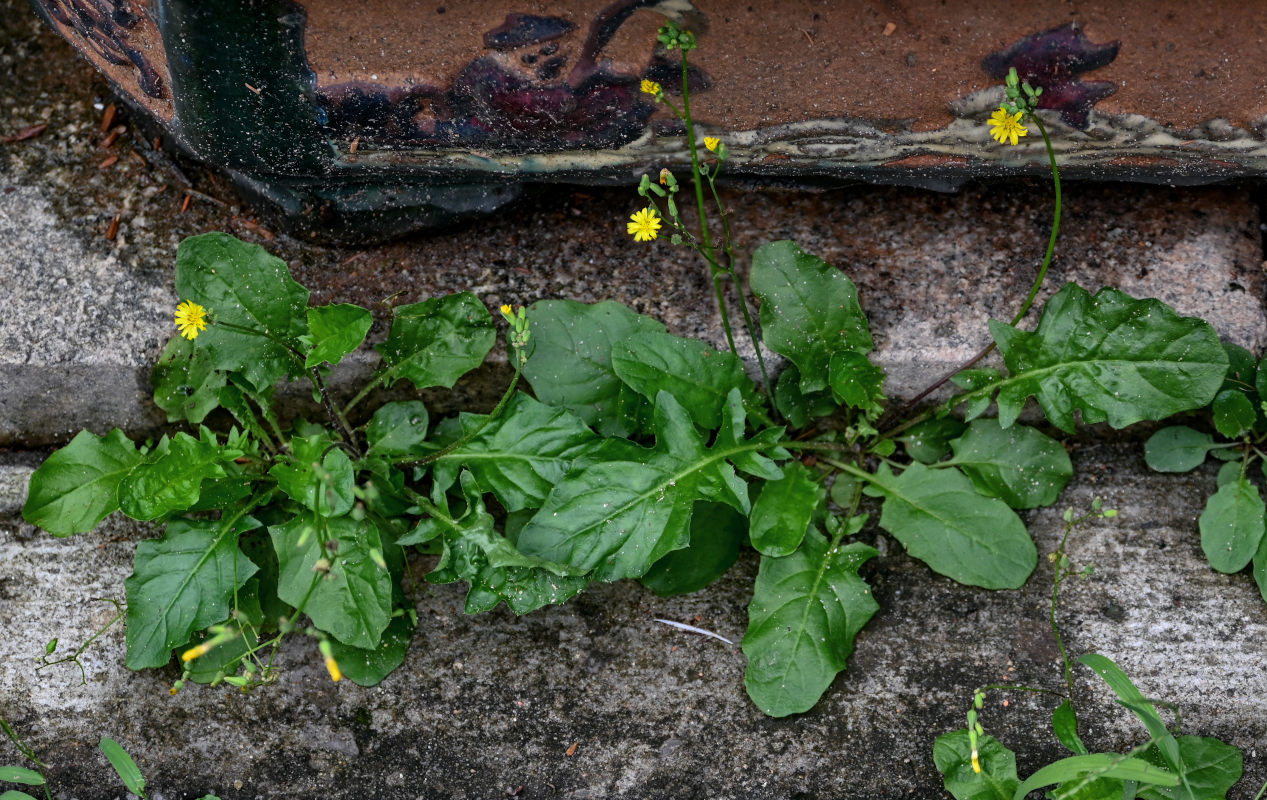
column 484, row 705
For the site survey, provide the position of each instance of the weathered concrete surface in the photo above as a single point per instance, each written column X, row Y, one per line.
column 86, row 316
column 486, row 704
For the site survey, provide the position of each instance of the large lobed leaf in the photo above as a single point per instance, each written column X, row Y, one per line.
column 1111, row 357
column 1021, row 466
column 521, row 454
column 246, row 286
column 619, row 517
column 809, row 310
column 494, row 570
column 179, row 584
column 806, row 609
column 78, row 486
column 437, row 341
column 697, row 376
column 353, row 601
column 335, row 331
column 186, row 383
column 172, row 481
column 943, row 521
column 570, row 362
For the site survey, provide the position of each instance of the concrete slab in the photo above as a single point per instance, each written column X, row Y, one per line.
column 86, row 315
column 484, row 705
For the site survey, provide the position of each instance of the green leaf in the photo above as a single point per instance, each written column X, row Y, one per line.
column 1131, row 697
column 1105, row 765
column 697, row 376
column 929, row 441
column 495, row 571
column 1112, row 357
column 369, row 667
column 14, row 794
column 1023, row 467
column 398, row 428
column 519, row 455
column 1232, row 525
column 1177, row 448
column 123, row 764
column 78, row 486
column 618, row 518
column 1210, row 768
column 317, row 475
column 22, row 775
column 1234, row 414
column 186, row 384
column 783, row 510
column 437, row 341
column 717, row 533
column 181, row 583
column 941, row 520
column 335, row 331
column 973, row 379
column 809, row 310
column 244, row 286
column 570, row 362
column 997, row 780
column 1260, row 568
column 806, row 610
column 799, row 407
column 353, row 601
column 1064, row 721
column 856, row 381
column 173, row 481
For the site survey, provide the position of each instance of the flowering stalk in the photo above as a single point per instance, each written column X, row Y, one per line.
column 1006, row 125
column 672, row 38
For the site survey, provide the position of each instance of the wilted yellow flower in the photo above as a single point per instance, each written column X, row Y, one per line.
column 196, row 651
column 650, row 87
column 711, row 143
column 645, row 225
column 191, row 319
column 332, row 666
column 664, row 176
column 1005, row 126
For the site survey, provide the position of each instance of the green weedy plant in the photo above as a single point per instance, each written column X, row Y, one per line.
column 120, row 761
column 638, row 455
column 1232, row 525
column 1167, row 766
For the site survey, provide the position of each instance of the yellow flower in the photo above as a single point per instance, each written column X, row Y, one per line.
column 645, row 225
column 1005, row 126
column 327, row 652
column 650, row 87
column 976, row 763
column 506, row 309
column 664, row 176
column 196, row 652
column 711, row 143
column 191, row 319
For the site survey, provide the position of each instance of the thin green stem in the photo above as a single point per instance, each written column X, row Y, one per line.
column 1038, row 281
column 454, row 445
column 366, row 389
column 336, row 418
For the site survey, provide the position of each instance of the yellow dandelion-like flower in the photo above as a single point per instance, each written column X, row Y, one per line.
column 711, row 143
column 191, row 319
column 506, row 309
column 650, row 87
column 198, row 650
column 645, row 225
column 1007, row 127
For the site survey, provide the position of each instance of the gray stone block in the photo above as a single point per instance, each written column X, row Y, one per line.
column 486, row 704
